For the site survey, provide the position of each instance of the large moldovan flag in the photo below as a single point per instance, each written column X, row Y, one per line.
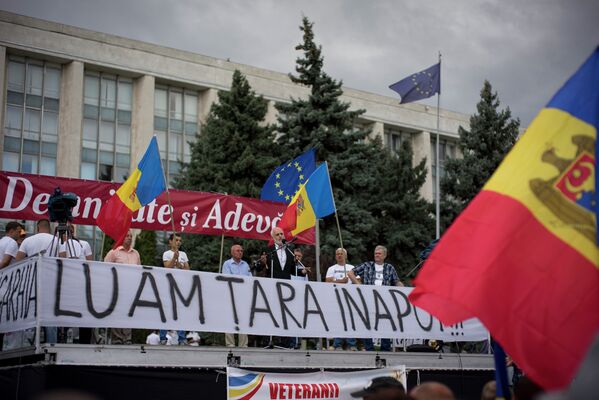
column 144, row 185
column 523, row 256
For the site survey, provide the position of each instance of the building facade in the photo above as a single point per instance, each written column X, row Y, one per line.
column 82, row 104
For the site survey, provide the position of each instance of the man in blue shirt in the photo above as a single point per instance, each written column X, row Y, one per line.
column 378, row 273
column 236, row 266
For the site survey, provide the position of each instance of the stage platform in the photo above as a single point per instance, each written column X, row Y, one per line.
column 221, row 357
column 159, row 372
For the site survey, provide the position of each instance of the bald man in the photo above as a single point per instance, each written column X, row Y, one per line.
column 236, row 266
column 432, row 391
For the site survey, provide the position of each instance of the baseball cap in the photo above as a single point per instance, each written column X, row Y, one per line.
column 376, row 384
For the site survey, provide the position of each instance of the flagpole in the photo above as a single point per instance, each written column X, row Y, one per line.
column 335, row 207
column 168, row 196
column 437, row 169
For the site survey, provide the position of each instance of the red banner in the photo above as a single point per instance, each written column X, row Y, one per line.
column 25, row 196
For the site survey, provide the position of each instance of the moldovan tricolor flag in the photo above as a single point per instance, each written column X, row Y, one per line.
column 314, row 200
column 144, row 185
column 523, row 256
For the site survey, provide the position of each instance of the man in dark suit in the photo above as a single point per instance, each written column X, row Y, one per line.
column 282, row 261
column 280, row 257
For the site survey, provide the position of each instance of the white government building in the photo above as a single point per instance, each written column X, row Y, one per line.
column 83, row 104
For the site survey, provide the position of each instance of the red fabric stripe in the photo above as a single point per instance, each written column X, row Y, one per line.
column 289, row 218
column 537, row 296
column 115, row 219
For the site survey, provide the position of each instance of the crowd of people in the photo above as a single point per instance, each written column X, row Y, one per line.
column 280, row 261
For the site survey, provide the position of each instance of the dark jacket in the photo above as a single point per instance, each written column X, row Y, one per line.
column 278, row 272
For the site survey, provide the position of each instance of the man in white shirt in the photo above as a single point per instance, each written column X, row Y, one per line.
column 338, row 274
column 75, row 248
column 42, row 241
column 8, row 244
column 174, row 258
column 153, row 339
column 236, row 266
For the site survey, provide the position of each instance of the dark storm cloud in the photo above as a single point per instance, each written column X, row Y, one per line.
column 525, row 49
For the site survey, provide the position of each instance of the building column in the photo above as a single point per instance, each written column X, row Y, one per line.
column 70, row 117
column 377, row 130
column 3, row 68
column 205, row 100
column 271, row 114
column 142, row 118
column 421, row 145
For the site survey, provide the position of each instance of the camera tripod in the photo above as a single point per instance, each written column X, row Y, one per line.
column 62, row 235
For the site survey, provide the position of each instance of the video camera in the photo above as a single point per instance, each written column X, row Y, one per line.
column 60, row 206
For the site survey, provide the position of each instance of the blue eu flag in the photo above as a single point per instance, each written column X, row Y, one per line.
column 420, row 85
column 284, row 182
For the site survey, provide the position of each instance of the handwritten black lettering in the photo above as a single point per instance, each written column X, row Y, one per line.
column 147, row 276
column 88, row 293
column 196, row 286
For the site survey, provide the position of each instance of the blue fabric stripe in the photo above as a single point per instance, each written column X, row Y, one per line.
column 241, row 380
column 151, row 183
column 320, row 192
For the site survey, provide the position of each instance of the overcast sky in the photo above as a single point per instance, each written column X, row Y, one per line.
column 525, row 48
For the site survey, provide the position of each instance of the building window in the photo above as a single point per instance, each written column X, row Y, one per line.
column 447, row 150
column 106, row 150
column 394, row 139
column 175, row 118
column 31, row 121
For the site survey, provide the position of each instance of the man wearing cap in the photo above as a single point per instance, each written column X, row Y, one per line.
column 382, row 388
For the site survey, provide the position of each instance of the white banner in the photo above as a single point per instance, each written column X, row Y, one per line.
column 246, row 384
column 18, row 295
column 78, row 293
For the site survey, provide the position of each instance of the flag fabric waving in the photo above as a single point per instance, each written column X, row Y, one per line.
column 420, row 85
column 314, row 200
column 144, row 185
column 523, row 256
column 286, row 179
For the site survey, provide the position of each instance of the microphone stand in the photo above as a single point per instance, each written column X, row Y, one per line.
column 273, row 254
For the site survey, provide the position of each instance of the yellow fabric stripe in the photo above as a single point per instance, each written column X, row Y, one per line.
column 544, row 155
column 127, row 191
column 306, row 218
column 235, row 393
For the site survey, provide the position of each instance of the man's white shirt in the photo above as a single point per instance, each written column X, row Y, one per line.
column 8, row 246
column 79, row 248
column 169, row 254
column 339, row 271
column 38, row 243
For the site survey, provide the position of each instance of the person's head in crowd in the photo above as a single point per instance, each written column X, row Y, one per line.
column 432, row 391
column 128, row 241
column 488, row 392
column 174, row 241
column 277, row 235
column 43, row 226
column 13, row 230
column 526, row 389
column 380, row 253
column 22, row 235
column 382, row 388
column 297, row 252
column 236, row 252
column 341, row 256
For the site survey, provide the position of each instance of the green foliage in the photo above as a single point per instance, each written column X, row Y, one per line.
column 106, row 245
column 145, row 244
column 376, row 192
column 492, row 134
column 235, row 155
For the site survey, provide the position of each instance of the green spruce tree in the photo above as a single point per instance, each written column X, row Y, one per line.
column 404, row 222
column 235, row 155
column 363, row 174
column 492, row 134
column 145, row 244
